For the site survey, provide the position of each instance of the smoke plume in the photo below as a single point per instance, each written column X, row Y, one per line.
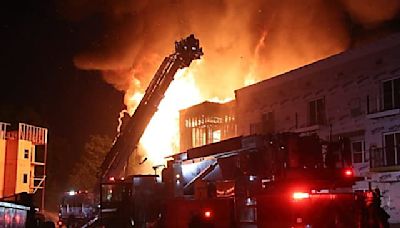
column 241, row 39
column 243, row 42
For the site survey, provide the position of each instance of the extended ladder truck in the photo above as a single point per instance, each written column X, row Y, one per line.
column 128, row 201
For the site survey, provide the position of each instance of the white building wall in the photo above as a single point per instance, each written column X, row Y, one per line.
column 345, row 81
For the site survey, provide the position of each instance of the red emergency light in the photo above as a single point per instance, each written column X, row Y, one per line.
column 300, row 195
column 207, row 214
column 348, row 172
column 111, row 179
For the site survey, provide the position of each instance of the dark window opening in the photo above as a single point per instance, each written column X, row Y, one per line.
column 253, row 128
column 392, row 149
column 25, row 178
column 357, row 148
column 316, row 111
column 391, row 94
column 26, row 153
column 268, row 125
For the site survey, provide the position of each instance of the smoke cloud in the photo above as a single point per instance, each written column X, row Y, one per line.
column 241, row 39
column 372, row 13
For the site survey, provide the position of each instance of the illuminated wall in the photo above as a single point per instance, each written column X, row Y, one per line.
column 2, row 155
column 25, row 170
column 18, row 170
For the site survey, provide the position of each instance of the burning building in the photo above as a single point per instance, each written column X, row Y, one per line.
column 354, row 95
column 352, row 98
column 206, row 123
column 23, row 160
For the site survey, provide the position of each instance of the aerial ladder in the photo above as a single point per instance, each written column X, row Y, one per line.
column 186, row 50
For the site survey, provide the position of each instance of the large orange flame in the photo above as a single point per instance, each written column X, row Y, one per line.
column 161, row 137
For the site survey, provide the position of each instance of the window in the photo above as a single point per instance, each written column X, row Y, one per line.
column 316, row 112
column 216, row 136
column 253, row 128
column 114, row 192
column 268, row 122
column 391, row 94
column 25, row 179
column 358, row 152
column 248, row 210
column 392, row 148
column 26, row 153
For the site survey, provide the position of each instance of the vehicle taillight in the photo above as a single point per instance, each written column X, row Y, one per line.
column 17, row 218
column 207, row 214
column 7, row 218
column 348, row 172
column 301, row 195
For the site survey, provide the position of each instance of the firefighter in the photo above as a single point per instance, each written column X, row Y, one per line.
column 381, row 213
column 377, row 216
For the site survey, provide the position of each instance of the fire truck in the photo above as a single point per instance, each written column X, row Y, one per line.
column 280, row 180
column 76, row 209
column 271, row 180
column 276, row 180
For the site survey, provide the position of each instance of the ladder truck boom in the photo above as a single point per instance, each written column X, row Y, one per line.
column 186, row 50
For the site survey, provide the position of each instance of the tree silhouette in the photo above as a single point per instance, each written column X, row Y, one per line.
column 84, row 175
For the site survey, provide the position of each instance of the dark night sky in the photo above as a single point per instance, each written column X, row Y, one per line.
column 38, row 73
column 41, row 86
